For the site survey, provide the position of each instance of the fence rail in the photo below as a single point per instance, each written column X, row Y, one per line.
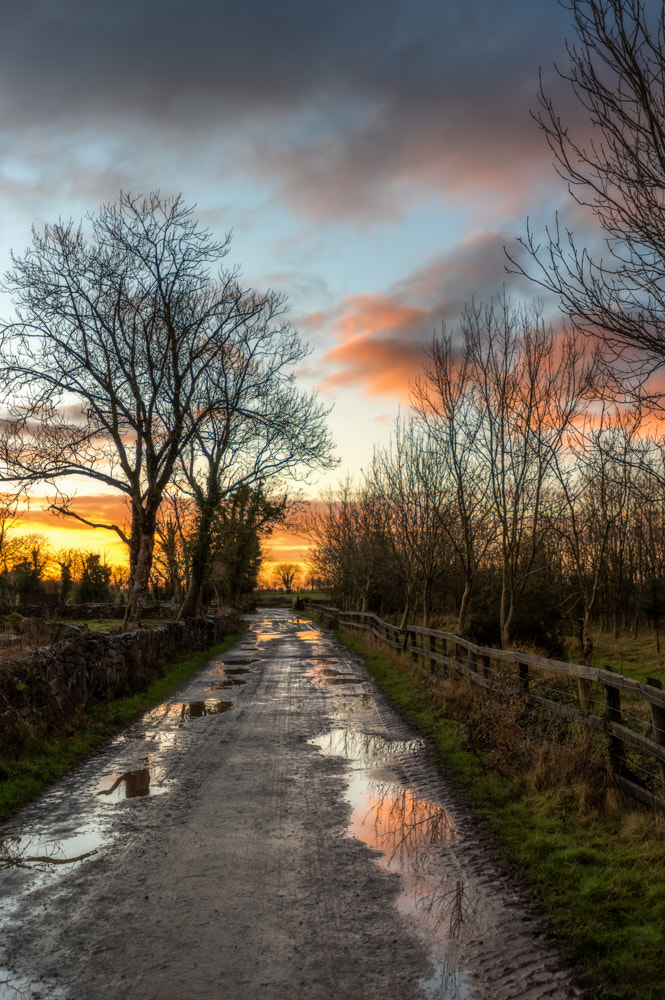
column 629, row 712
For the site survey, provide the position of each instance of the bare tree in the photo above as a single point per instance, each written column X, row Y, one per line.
column 444, row 398
column 350, row 545
column 616, row 169
column 408, row 478
column 268, row 430
column 286, row 574
column 596, row 475
column 118, row 356
column 528, row 385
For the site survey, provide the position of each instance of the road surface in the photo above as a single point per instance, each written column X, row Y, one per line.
column 272, row 831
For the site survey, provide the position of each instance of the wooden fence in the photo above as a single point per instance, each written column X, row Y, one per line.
column 630, row 713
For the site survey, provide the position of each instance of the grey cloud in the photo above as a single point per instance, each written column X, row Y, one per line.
column 337, row 106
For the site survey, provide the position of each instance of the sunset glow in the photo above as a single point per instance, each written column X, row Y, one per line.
column 371, row 166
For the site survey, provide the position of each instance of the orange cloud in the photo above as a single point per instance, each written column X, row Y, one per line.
column 381, row 344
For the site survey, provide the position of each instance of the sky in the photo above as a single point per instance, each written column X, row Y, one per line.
column 371, row 160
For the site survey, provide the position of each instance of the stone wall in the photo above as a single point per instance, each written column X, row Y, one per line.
column 56, row 679
column 85, row 612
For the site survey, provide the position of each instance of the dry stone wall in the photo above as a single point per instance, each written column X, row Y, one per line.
column 56, row 679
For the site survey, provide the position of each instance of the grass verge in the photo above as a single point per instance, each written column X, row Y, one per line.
column 595, row 863
column 48, row 753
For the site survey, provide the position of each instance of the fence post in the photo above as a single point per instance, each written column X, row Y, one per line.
column 658, row 723
column 473, row 661
column 524, row 677
column 432, row 649
column 584, row 694
column 486, row 666
column 613, row 714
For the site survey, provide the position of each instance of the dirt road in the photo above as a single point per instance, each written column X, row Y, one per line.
column 273, row 832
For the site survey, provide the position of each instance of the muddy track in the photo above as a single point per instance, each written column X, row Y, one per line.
column 272, row 831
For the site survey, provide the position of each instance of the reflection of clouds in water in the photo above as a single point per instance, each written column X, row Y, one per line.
column 392, row 819
column 409, row 833
column 368, row 749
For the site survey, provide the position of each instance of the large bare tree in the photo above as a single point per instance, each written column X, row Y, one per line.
column 613, row 160
column 118, row 356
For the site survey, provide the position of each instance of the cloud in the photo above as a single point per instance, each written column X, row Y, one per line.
column 381, row 339
column 341, row 109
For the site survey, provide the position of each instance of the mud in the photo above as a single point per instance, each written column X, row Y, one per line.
column 297, row 842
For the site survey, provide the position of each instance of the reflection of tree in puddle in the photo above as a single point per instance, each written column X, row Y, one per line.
column 392, row 819
column 180, row 712
column 12, row 988
column 132, row 784
column 448, row 981
column 19, row 852
column 230, row 671
column 226, row 683
column 408, row 830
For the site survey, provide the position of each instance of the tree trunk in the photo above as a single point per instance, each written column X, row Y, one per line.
column 506, row 612
column 139, row 580
column 586, row 639
column 191, row 606
column 464, row 608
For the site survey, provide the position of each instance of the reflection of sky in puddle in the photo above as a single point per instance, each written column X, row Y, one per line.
column 46, row 853
column 132, row 784
column 179, row 712
column 407, row 831
column 267, row 636
column 15, row 988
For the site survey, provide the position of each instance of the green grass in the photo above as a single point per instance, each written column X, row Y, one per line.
column 48, row 754
column 598, row 872
column 633, row 657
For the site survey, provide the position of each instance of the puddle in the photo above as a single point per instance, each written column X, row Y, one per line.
column 16, row 988
column 229, row 682
column 267, row 636
column 408, row 833
column 330, row 676
column 45, row 855
column 447, row 982
column 331, row 681
column 131, row 784
column 181, row 712
column 231, row 671
column 368, row 749
column 321, row 662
